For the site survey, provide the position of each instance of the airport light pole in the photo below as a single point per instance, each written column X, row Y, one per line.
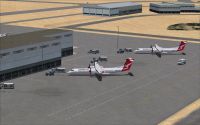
column 0, row 55
column 42, row 57
column 117, row 37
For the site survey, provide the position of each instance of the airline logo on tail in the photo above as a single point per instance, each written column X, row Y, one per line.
column 128, row 64
column 181, row 46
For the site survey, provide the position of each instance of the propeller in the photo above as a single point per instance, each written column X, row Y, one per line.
column 158, row 53
column 90, row 70
column 151, row 46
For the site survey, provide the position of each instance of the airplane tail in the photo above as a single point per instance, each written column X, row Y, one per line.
column 128, row 64
column 181, row 46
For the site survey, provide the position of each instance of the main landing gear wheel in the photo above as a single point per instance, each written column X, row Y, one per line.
column 183, row 53
column 130, row 74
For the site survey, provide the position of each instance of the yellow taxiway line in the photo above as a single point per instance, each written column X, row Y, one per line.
column 182, row 113
column 115, row 34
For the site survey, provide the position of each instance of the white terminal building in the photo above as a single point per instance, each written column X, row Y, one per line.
column 112, row 9
column 173, row 7
column 31, row 52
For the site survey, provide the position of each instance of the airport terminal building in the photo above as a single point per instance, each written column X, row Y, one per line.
column 31, row 52
column 173, row 7
column 113, row 9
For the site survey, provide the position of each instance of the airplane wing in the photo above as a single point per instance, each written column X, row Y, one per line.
column 158, row 47
column 98, row 68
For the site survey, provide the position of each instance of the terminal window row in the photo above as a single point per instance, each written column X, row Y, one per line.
column 18, row 51
column 66, row 35
column 28, row 49
column 44, row 46
column 4, row 54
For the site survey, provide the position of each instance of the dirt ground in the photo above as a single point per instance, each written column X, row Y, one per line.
column 46, row 15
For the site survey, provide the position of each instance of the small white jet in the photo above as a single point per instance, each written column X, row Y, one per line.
column 159, row 51
column 100, row 71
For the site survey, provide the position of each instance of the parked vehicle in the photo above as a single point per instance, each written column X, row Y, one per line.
column 103, row 58
column 60, row 70
column 50, row 72
column 94, row 60
column 7, row 86
column 181, row 61
column 93, row 51
column 120, row 51
column 128, row 50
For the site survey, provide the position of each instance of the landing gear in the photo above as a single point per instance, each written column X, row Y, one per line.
column 183, row 53
column 130, row 74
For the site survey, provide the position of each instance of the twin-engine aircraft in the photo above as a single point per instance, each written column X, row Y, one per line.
column 159, row 51
column 99, row 71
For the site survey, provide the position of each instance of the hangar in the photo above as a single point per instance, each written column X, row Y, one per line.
column 112, row 9
column 31, row 52
column 173, row 7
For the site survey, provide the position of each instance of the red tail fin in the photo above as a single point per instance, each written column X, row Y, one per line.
column 128, row 64
column 181, row 46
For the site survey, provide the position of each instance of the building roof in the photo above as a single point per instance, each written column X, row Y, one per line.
column 28, row 38
column 113, row 5
column 180, row 3
column 118, row 5
column 173, row 4
column 165, row 4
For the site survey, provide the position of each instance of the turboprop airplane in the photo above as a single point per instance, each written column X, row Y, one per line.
column 159, row 51
column 100, row 71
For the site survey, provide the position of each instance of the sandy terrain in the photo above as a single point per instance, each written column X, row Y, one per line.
column 150, row 24
column 10, row 6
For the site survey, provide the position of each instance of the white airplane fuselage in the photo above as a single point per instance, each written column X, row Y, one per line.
column 93, row 71
column 154, row 50
column 162, row 51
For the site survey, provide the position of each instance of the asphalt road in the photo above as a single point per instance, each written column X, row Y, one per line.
column 158, row 89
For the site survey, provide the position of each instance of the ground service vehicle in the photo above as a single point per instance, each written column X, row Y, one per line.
column 181, row 61
column 7, row 86
column 93, row 51
column 103, row 58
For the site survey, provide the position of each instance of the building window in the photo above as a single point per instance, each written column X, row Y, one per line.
column 67, row 35
column 32, row 48
column 4, row 54
column 55, row 44
column 57, row 37
column 44, row 46
column 18, row 51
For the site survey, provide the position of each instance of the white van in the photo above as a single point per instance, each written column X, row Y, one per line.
column 7, row 86
column 60, row 70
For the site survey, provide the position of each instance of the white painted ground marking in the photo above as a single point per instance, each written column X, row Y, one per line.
column 173, row 119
